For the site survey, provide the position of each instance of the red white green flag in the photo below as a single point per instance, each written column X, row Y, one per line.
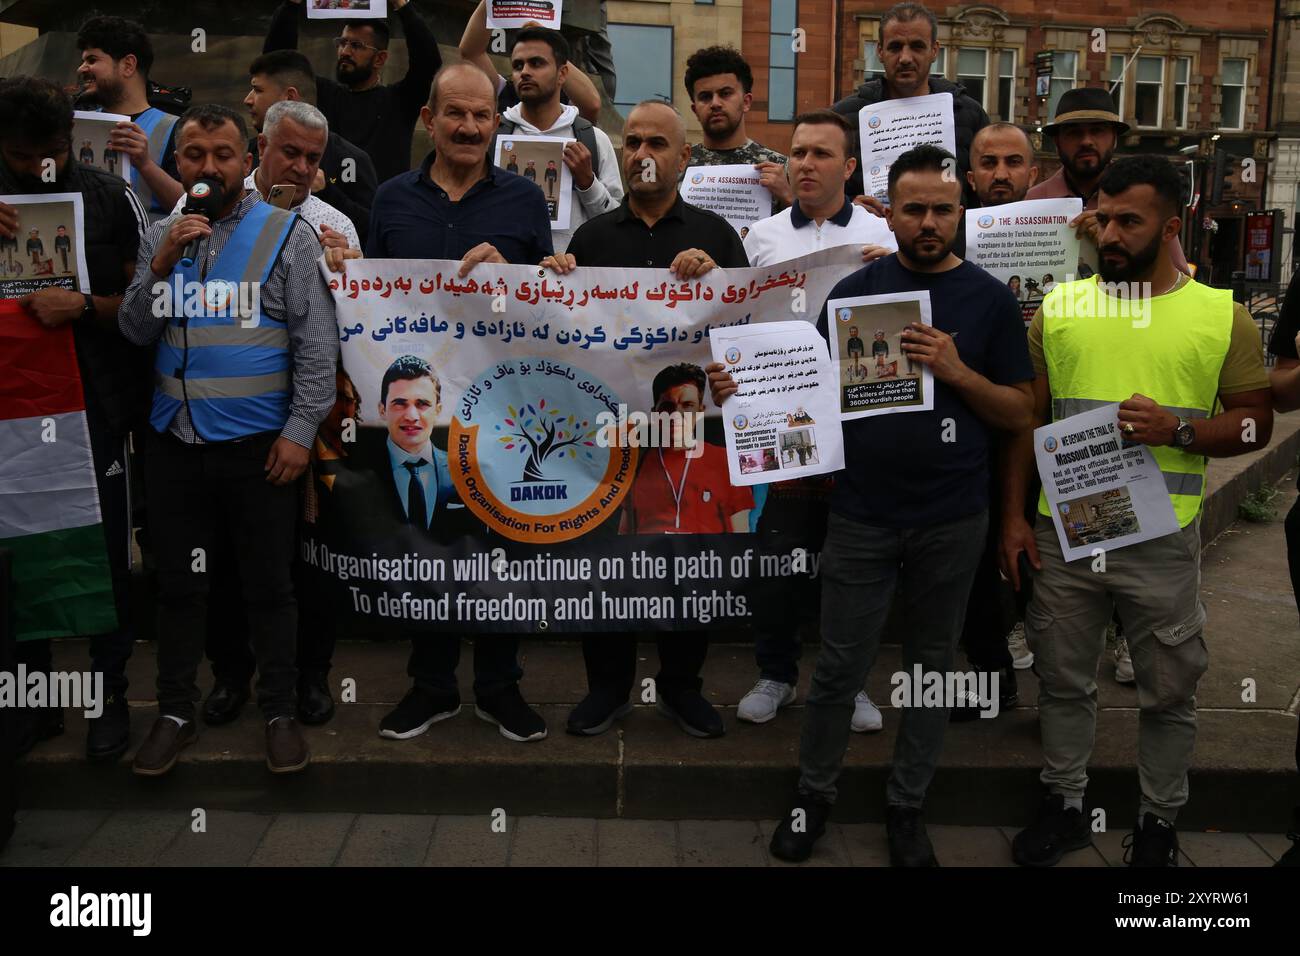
column 49, row 503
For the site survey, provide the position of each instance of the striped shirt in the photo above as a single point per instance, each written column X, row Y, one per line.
column 294, row 292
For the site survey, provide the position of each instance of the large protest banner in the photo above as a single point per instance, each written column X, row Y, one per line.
column 491, row 466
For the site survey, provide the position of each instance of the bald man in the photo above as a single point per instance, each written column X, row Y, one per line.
column 460, row 205
column 1002, row 167
column 654, row 228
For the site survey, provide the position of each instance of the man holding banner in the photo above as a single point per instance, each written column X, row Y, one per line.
column 1187, row 351
column 654, row 228
column 457, row 205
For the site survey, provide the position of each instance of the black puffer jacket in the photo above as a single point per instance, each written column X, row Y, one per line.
column 968, row 118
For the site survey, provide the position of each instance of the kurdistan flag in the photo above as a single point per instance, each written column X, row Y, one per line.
column 49, row 504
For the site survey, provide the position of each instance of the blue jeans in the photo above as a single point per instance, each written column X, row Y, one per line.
column 862, row 566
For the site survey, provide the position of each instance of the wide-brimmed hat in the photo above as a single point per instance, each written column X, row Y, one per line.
column 1089, row 104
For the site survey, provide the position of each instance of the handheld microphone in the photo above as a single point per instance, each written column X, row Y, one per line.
column 205, row 198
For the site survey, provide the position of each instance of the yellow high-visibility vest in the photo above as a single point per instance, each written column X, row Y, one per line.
column 1101, row 348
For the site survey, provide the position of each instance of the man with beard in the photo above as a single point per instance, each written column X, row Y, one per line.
column 116, row 57
column 918, row 526
column 720, row 85
column 36, row 126
column 377, row 117
column 461, row 205
column 1192, row 350
column 908, row 45
column 237, row 401
column 1086, row 131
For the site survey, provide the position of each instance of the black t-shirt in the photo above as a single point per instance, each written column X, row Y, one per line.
column 618, row 238
column 898, row 470
column 1282, row 342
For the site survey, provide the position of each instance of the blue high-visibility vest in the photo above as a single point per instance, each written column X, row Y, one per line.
column 231, row 370
column 157, row 125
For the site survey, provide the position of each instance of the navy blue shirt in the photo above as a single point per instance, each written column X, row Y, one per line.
column 412, row 218
column 898, row 470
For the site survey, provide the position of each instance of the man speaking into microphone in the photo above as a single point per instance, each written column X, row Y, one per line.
column 242, row 379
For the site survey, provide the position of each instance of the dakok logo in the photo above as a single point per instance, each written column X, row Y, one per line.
column 542, row 433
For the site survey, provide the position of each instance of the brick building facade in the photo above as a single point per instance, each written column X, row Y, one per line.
column 1188, row 72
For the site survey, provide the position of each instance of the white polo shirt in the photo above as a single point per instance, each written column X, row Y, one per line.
column 790, row 234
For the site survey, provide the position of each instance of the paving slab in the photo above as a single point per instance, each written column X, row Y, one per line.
column 303, row 839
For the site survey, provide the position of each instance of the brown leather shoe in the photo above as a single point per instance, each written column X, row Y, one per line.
column 158, row 753
column 286, row 750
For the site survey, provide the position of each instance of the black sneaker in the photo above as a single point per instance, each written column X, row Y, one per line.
column 909, row 844
column 417, row 712
column 1154, row 843
column 512, row 715
column 1058, row 830
column 800, row 829
column 108, row 734
column 1008, row 695
column 597, row 713
column 693, row 713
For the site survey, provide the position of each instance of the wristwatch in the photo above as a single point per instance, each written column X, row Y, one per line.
column 1184, row 434
column 89, row 310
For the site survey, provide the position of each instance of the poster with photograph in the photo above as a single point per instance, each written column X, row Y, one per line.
column 874, row 376
column 1028, row 245
column 783, row 422
column 346, row 9
column 734, row 192
column 541, row 159
column 513, row 14
column 90, row 142
column 889, row 129
column 1102, row 491
column 48, row 249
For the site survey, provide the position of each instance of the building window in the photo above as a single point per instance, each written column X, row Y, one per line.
column 1233, row 87
column 781, row 74
column 1065, row 64
column 1182, row 85
column 1115, row 83
column 973, row 73
column 1148, row 91
column 643, row 60
column 1007, row 86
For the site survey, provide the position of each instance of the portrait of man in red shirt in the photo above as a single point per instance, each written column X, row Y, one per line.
column 680, row 491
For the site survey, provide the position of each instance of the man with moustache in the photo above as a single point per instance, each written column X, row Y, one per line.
column 378, row 117
column 1086, row 131
column 654, row 228
column 720, row 84
column 116, row 57
column 918, row 526
column 461, row 205
column 1192, row 352
column 236, row 405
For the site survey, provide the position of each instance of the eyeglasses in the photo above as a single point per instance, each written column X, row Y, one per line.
column 352, row 46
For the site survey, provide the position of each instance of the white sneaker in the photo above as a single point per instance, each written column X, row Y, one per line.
column 1123, row 663
column 866, row 715
column 761, row 704
column 1022, row 658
